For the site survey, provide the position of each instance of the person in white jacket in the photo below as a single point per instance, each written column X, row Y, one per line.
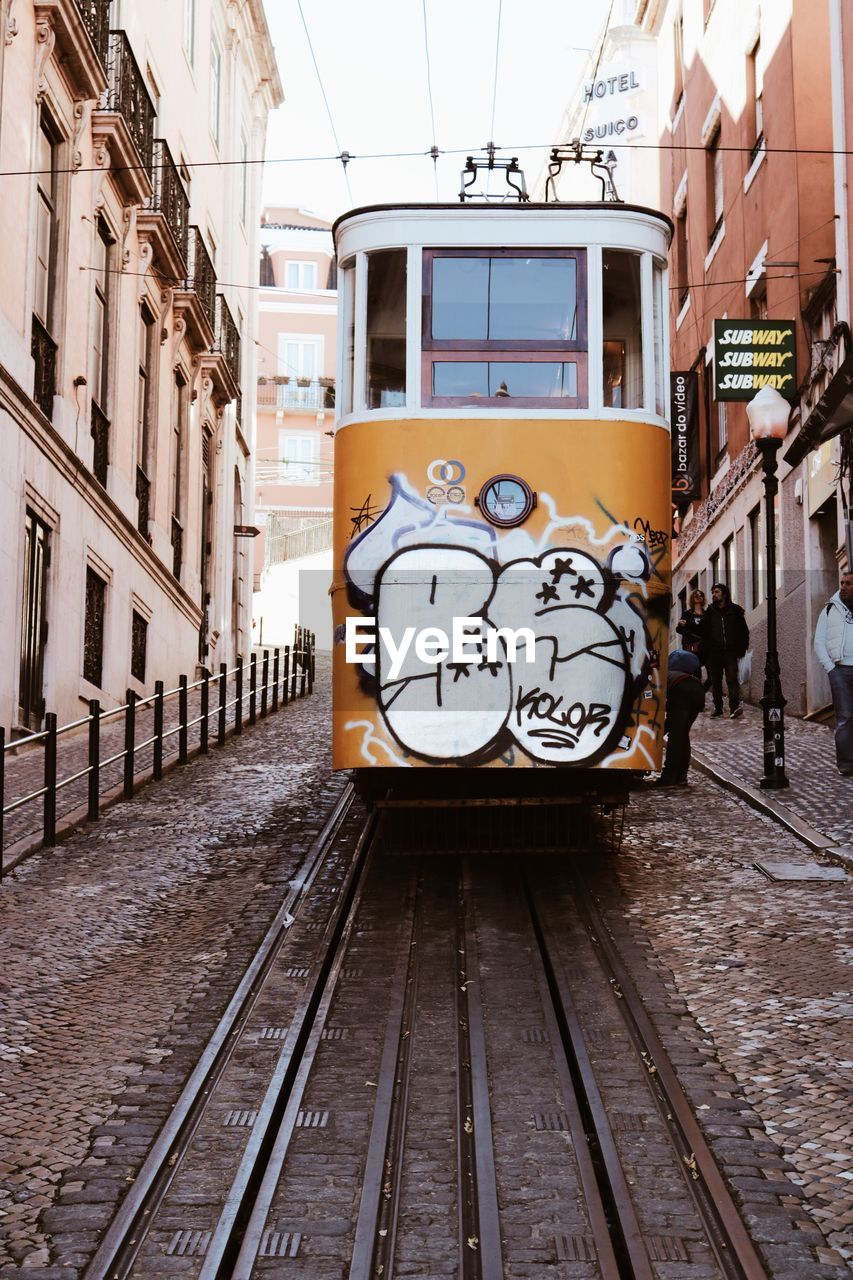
column 833, row 646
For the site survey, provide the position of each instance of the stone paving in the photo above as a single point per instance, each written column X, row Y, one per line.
column 24, row 762
column 764, row 968
column 817, row 794
column 122, row 946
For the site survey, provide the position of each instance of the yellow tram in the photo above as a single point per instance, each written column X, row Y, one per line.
column 502, row 496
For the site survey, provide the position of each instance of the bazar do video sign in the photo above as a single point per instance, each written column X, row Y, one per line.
column 751, row 354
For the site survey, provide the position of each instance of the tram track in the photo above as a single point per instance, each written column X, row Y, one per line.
column 734, row 1253
column 124, row 1240
column 409, row 1111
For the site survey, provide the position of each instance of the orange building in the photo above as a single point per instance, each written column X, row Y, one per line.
column 746, row 135
column 296, row 400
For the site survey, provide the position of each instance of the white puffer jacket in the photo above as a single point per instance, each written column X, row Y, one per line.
column 833, row 641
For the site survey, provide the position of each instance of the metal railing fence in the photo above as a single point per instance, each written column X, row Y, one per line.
column 240, row 695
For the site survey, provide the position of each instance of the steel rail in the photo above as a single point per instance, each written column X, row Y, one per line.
column 75, row 777
column 734, row 1251
column 124, row 1238
column 253, row 1189
column 480, row 1253
column 618, row 1234
column 378, row 1214
column 18, row 804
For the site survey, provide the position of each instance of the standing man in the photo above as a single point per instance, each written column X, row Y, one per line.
column 833, row 646
column 685, row 698
column 725, row 638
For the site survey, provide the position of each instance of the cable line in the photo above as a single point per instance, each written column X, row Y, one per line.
column 346, row 157
column 341, row 151
column 497, row 59
column 597, row 65
column 434, row 151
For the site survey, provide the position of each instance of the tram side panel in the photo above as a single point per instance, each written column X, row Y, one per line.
column 586, row 571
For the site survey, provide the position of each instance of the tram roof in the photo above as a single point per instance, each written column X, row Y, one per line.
column 469, row 207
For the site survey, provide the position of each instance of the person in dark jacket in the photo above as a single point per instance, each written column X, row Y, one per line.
column 689, row 625
column 685, row 698
column 725, row 638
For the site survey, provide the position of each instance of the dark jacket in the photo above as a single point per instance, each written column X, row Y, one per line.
column 690, row 626
column 724, row 632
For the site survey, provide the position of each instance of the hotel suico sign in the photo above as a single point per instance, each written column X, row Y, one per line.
column 751, row 354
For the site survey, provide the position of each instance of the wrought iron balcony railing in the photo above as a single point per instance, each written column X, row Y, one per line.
column 96, row 20
column 201, row 276
column 297, row 393
column 170, row 198
column 143, row 495
column 128, row 95
column 227, row 341
column 44, row 354
column 101, row 437
column 177, row 547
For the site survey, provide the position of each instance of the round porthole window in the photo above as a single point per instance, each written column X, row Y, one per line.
column 506, row 500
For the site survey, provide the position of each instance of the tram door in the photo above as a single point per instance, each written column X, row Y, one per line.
column 34, row 622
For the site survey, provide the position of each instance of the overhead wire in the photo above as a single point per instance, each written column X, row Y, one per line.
column 497, row 62
column 595, row 72
column 434, row 150
column 350, row 157
column 341, row 151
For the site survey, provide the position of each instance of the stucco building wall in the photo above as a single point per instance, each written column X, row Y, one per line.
column 207, row 69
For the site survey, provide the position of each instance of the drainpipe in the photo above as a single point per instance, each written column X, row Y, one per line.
column 842, row 230
column 839, row 146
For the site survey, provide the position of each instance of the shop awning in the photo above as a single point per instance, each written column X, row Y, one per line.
column 832, row 413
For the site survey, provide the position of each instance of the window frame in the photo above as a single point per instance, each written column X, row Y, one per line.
column 714, row 186
column 47, row 202
column 188, row 38
column 510, row 350
column 300, row 264
column 215, row 90
column 103, row 302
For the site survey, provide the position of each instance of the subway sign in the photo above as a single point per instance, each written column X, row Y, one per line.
column 751, row 354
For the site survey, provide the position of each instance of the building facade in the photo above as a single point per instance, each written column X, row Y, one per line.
column 296, row 388
column 614, row 109
column 747, row 175
column 128, row 244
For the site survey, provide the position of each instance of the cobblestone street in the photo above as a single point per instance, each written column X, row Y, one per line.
column 123, row 944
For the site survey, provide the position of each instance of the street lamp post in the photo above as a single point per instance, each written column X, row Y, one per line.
column 768, row 414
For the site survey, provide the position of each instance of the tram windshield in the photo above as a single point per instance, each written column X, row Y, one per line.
column 490, row 298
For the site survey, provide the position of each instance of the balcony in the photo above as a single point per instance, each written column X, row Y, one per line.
column 296, row 394
column 223, row 363
column 44, row 354
column 165, row 220
column 195, row 303
column 96, row 20
column 143, row 496
column 80, row 30
column 124, row 121
column 228, row 338
column 101, row 437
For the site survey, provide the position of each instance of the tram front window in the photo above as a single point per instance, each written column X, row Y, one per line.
column 623, row 331
column 499, row 325
column 493, row 299
column 386, row 329
column 470, row 378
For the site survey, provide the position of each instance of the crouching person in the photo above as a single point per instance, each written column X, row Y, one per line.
column 685, row 698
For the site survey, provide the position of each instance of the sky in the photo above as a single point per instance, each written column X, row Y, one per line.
column 372, row 60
